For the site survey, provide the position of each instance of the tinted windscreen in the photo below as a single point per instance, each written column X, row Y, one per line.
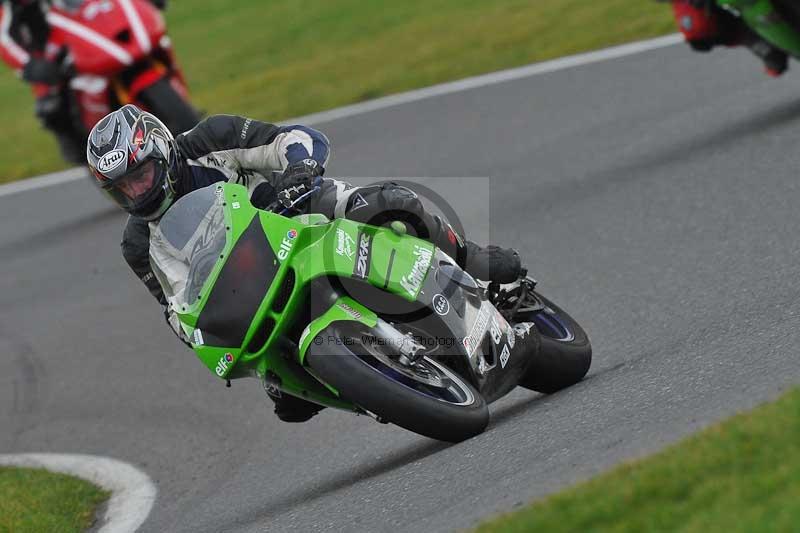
column 187, row 243
column 240, row 288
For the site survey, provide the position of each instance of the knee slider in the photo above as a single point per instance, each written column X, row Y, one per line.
column 401, row 203
column 398, row 198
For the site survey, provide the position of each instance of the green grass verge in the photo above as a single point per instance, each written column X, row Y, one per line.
column 740, row 476
column 33, row 500
column 274, row 60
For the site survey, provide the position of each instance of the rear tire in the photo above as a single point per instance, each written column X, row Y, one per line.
column 351, row 367
column 169, row 106
column 560, row 362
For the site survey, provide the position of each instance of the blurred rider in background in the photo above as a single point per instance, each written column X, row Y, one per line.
column 144, row 169
column 24, row 32
column 705, row 25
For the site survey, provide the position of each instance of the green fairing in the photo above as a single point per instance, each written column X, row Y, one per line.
column 761, row 16
column 398, row 264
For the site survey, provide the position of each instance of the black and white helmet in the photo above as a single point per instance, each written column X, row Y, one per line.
column 134, row 160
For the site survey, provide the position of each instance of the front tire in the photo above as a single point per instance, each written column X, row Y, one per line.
column 565, row 354
column 453, row 412
column 169, row 106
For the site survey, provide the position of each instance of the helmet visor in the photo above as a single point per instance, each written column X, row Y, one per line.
column 138, row 183
column 139, row 186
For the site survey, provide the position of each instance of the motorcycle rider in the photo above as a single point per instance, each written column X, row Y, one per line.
column 139, row 164
column 24, row 32
column 704, row 25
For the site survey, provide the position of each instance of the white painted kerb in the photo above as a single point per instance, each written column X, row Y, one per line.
column 132, row 492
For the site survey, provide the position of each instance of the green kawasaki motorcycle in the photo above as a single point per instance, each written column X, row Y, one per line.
column 356, row 317
column 777, row 21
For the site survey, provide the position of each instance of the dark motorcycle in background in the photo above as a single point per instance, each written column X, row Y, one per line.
column 116, row 52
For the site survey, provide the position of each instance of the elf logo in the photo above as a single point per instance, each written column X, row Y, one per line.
column 286, row 244
column 224, row 363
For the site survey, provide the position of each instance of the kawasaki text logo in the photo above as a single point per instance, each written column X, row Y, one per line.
column 413, row 281
column 344, row 244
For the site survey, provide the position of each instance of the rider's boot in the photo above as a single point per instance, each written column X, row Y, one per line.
column 72, row 150
column 487, row 263
column 776, row 61
column 292, row 409
column 55, row 115
column 492, row 263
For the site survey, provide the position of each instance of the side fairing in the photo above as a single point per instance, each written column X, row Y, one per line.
column 395, row 263
column 470, row 328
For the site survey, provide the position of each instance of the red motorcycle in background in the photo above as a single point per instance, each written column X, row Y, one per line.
column 117, row 52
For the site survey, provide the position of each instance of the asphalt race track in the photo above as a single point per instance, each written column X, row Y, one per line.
column 655, row 197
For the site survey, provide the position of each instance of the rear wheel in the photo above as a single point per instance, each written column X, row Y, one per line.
column 425, row 397
column 565, row 354
column 169, row 106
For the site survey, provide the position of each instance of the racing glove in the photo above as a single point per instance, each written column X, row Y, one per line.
column 297, row 180
column 288, row 186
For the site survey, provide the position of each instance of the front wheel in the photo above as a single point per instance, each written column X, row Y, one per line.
column 565, row 353
column 425, row 397
column 170, row 107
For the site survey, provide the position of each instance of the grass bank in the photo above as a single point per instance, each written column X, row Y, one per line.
column 33, row 501
column 279, row 59
column 739, row 476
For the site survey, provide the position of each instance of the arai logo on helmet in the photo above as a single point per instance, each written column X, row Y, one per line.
column 111, row 160
column 224, row 363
